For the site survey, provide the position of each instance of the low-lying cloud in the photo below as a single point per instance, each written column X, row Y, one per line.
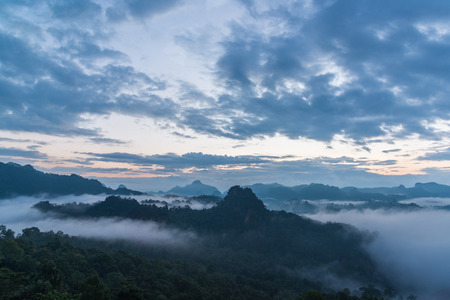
column 18, row 214
column 410, row 247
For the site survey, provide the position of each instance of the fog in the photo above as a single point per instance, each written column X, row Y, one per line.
column 326, row 276
column 174, row 201
column 428, row 201
column 18, row 214
column 411, row 247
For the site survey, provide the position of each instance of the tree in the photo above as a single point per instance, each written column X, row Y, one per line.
column 314, row 295
column 94, row 289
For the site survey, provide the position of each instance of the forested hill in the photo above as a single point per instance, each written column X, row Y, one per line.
column 17, row 180
column 242, row 232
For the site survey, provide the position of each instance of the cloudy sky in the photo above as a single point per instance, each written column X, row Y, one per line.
column 153, row 93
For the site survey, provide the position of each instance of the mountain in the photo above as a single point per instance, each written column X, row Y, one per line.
column 196, row 188
column 316, row 191
column 274, row 190
column 430, row 189
column 17, row 180
column 398, row 190
column 280, row 197
column 247, row 233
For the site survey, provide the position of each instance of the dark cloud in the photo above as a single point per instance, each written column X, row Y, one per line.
column 183, row 135
column 116, row 14
column 20, row 153
column 143, row 8
column 174, row 161
column 342, row 67
column 139, row 9
column 87, row 169
column 391, row 150
column 361, row 64
column 437, row 156
column 79, row 10
column 42, row 94
column 39, row 143
column 102, row 140
column 389, row 162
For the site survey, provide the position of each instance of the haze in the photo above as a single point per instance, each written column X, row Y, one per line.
column 410, row 247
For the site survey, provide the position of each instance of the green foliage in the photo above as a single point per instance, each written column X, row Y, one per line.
column 241, row 231
column 46, row 265
column 314, row 295
column 244, row 251
column 93, row 288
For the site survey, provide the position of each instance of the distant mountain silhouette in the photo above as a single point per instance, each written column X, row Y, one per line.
column 430, row 189
column 196, row 188
column 278, row 196
column 274, row 190
column 17, row 180
column 274, row 194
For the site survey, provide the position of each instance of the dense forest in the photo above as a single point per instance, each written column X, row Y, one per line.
column 48, row 265
column 241, row 251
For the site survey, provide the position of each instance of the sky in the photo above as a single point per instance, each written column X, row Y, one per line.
column 157, row 93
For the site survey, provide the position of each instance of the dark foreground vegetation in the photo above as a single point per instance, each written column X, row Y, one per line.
column 47, row 265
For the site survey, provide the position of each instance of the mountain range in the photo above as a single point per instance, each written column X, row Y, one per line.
column 17, row 180
column 196, row 188
column 242, row 230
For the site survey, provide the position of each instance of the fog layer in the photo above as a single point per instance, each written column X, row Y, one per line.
column 412, row 247
column 18, row 214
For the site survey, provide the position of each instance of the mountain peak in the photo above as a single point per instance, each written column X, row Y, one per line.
column 242, row 198
column 29, row 167
column 13, row 164
column 241, row 209
column 196, row 188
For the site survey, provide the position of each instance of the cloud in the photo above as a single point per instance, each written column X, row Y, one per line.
column 410, row 247
column 17, row 214
column 295, row 68
column 149, row 233
column 79, row 10
column 14, row 140
column 172, row 160
column 142, row 8
column 14, row 152
column 391, row 150
column 437, row 156
column 49, row 85
column 226, row 171
column 389, row 162
column 102, row 140
column 341, row 67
